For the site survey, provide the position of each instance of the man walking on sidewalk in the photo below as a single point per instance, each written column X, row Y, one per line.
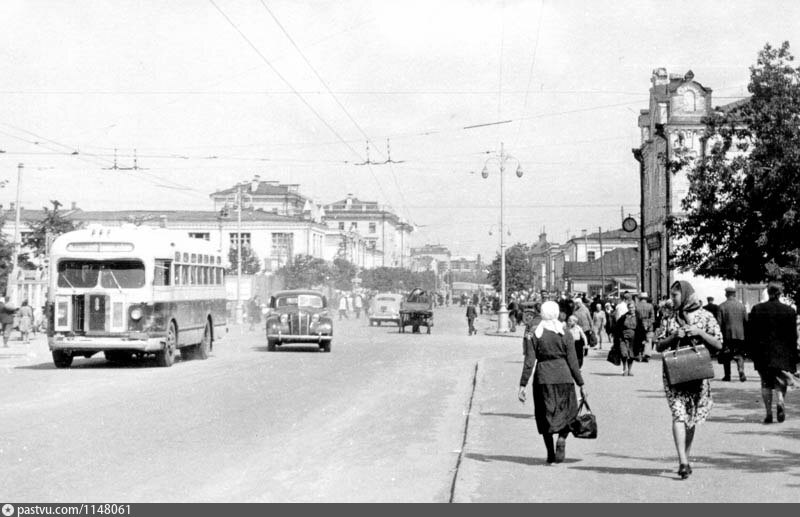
column 732, row 319
column 471, row 315
column 773, row 332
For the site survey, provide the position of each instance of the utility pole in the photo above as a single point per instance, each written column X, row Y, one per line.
column 602, row 268
column 17, row 220
column 239, row 254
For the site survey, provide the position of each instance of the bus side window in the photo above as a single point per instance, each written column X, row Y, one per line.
column 162, row 272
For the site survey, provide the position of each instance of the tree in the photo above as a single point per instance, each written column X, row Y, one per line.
column 48, row 228
column 386, row 279
column 742, row 221
column 6, row 257
column 250, row 263
column 342, row 274
column 305, row 271
column 518, row 269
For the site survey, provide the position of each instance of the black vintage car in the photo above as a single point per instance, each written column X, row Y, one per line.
column 299, row 316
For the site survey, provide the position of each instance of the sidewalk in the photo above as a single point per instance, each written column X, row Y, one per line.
column 18, row 352
column 736, row 458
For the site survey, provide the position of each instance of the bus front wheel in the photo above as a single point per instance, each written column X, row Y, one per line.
column 62, row 359
column 166, row 356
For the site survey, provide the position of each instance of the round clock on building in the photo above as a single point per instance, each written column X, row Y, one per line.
column 629, row 224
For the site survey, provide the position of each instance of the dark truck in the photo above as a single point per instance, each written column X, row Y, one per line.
column 416, row 310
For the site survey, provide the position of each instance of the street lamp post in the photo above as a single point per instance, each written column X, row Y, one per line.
column 502, row 314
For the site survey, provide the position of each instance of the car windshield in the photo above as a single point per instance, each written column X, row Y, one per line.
column 386, row 299
column 300, row 300
column 112, row 274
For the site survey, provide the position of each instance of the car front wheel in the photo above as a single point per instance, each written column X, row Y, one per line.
column 62, row 359
column 270, row 345
column 326, row 346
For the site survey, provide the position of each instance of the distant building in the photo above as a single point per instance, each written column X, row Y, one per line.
column 377, row 227
column 268, row 196
column 543, row 258
column 618, row 269
column 467, row 269
column 432, row 257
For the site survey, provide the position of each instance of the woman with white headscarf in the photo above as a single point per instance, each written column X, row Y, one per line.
column 550, row 352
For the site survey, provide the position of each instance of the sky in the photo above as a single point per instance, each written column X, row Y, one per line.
column 209, row 93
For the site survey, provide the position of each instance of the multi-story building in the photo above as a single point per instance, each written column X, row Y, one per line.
column 615, row 271
column 274, row 238
column 267, row 196
column 672, row 125
column 544, row 265
column 467, row 269
column 431, row 257
column 381, row 233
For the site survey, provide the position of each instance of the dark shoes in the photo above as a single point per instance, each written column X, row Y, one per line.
column 742, row 377
column 561, row 450
column 727, row 378
column 781, row 414
column 768, row 419
column 684, row 470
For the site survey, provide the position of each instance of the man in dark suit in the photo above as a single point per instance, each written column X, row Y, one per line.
column 712, row 307
column 772, row 329
column 732, row 319
column 471, row 315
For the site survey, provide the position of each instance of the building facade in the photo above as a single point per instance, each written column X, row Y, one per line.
column 616, row 271
column 671, row 126
column 380, row 231
column 544, row 265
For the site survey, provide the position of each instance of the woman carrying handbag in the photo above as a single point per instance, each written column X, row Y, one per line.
column 550, row 356
column 689, row 402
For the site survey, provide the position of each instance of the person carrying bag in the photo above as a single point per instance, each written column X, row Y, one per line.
column 686, row 368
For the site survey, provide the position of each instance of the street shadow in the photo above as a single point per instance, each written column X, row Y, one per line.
column 522, row 416
column 772, row 461
column 81, row 363
column 522, row 460
column 607, row 374
column 773, row 430
column 626, row 471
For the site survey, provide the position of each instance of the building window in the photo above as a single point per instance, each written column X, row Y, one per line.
column 689, row 101
column 200, row 235
column 354, row 227
column 282, row 246
column 245, row 239
column 341, row 225
column 373, row 228
column 590, row 256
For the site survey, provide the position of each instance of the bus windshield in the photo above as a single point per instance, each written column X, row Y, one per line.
column 111, row 274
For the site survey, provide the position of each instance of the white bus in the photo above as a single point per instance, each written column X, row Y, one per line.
column 134, row 291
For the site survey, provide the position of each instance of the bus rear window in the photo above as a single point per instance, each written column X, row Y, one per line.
column 112, row 274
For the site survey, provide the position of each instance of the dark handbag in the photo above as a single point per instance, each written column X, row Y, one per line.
column 614, row 357
column 687, row 364
column 584, row 425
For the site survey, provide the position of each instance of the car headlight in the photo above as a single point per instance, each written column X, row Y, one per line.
column 315, row 318
column 136, row 314
column 284, row 319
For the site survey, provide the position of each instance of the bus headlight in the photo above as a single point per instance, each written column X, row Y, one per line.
column 136, row 314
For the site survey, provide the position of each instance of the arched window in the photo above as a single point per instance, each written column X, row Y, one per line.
column 689, row 101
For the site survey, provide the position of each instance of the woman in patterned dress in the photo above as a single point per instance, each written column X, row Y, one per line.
column 689, row 402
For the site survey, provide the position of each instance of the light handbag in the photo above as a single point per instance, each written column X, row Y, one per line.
column 687, row 364
column 584, row 425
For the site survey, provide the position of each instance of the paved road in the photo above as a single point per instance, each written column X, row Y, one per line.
column 378, row 419
column 381, row 418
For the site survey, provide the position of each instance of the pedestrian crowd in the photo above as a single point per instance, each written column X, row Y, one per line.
column 24, row 319
column 562, row 332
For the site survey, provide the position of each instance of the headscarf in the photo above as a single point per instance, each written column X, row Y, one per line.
column 550, row 312
column 690, row 302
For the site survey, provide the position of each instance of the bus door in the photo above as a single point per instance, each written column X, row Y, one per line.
column 97, row 312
